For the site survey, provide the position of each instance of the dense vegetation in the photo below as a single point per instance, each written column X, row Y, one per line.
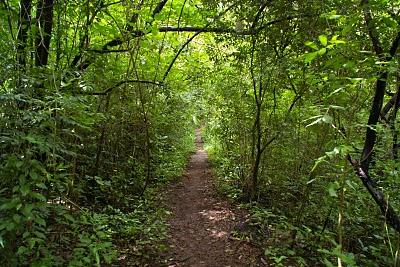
column 298, row 101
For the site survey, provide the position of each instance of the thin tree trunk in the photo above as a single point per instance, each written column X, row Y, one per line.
column 23, row 28
column 370, row 136
column 377, row 103
column 44, row 20
column 259, row 151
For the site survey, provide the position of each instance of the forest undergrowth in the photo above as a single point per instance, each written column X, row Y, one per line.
column 298, row 100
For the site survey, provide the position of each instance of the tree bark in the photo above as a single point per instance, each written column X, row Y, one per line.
column 380, row 88
column 370, row 136
column 44, row 20
column 23, row 28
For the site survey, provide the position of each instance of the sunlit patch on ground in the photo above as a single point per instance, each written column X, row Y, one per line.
column 219, row 234
column 216, row 215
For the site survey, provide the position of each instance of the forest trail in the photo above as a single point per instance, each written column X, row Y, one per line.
column 201, row 226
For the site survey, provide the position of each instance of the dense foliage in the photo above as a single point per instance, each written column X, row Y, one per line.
column 82, row 148
column 306, row 96
column 298, row 100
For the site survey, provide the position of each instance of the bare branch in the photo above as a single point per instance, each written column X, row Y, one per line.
column 221, row 31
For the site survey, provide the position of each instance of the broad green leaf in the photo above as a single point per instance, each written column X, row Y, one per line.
column 322, row 51
column 312, row 45
column 323, row 39
column 337, row 42
column 310, row 56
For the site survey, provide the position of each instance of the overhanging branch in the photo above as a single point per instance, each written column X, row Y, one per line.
column 110, row 89
column 220, row 30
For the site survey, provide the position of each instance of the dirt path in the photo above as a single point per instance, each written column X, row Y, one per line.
column 200, row 230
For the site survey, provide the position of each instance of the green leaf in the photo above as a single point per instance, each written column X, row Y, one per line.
column 322, row 51
column 332, row 192
column 10, row 205
column 10, row 226
column 26, row 234
column 311, row 45
column 310, row 57
column 38, row 196
column 40, row 221
column 24, row 189
column 334, row 40
column 22, row 250
column 389, row 22
column 97, row 258
column 41, row 185
column 27, row 210
column 39, row 235
column 69, row 217
column 323, row 39
column 335, row 92
column 350, row 184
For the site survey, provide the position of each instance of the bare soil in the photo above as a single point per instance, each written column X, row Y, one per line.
column 201, row 226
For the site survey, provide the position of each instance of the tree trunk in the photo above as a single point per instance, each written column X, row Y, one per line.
column 258, row 154
column 44, row 20
column 23, row 28
column 370, row 136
